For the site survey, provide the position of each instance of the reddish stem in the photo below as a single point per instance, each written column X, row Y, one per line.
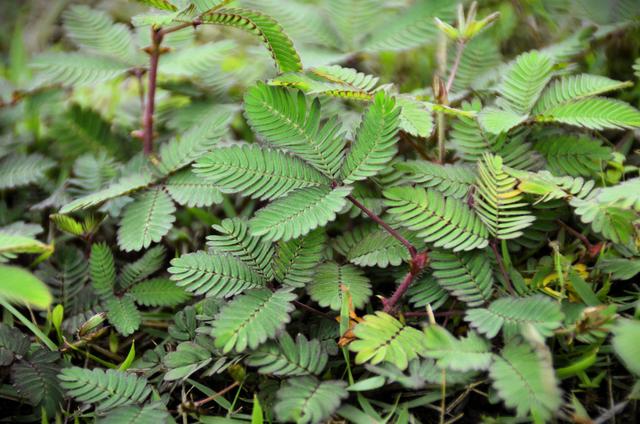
column 418, row 263
column 456, row 64
column 412, row 250
column 154, row 52
column 503, row 270
column 592, row 249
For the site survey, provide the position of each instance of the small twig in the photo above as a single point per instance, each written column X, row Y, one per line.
column 456, row 64
column 412, row 250
column 591, row 249
column 419, row 314
column 216, row 395
column 313, row 310
column 504, row 272
column 418, row 263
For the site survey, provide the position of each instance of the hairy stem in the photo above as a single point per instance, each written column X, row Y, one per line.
column 154, row 51
column 147, row 120
column 418, row 263
column 456, row 64
column 216, row 395
column 412, row 250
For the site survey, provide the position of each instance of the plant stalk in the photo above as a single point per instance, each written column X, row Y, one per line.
column 412, row 250
column 418, row 263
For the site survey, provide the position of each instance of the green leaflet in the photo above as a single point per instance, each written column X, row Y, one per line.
column 625, row 343
column 381, row 337
column 257, row 172
column 466, row 275
column 266, row 28
column 288, row 120
column 524, row 81
column 252, row 318
column 123, row 186
column 188, row 189
column 595, row 113
column 375, row 141
column 295, row 261
column 497, row 201
column 469, row 353
column 20, row 170
column 526, row 382
column 445, row 222
column 106, row 389
column 308, row 400
column 511, row 313
column 289, row 357
column 102, row 270
column 159, row 292
column 123, row 314
column 450, row 180
column 235, row 239
column 20, row 286
column 218, row 276
column 299, row 213
column 330, row 282
column 146, row 220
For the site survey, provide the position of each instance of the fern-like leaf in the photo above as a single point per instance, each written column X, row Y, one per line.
column 295, row 260
column 266, row 28
column 123, row 186
column 498, row 202
column 76, row 69
column 381, row 337
column 146, row 220
column 21, row 170
column 526, row 382
column 594, row 113
column 94, row 30
column 467, row 276
column 332, row 280
column 288, row 120
column 158, row 292
column 299, row 213
column 445, row 222
column 510, row 313
column 375, row 143
column 370, row 245
column 123, row 314
column 149, row 263
column 189, row 189
column 234, row 239
column 102, row 270
column 308, row 400
column 450, row 180
column 155, row 413
column 106, row 389
column 218, row 276
column 35, row 378
column 289, row 357
column 571, row 88
column 469, row 353
column 426, row 291
column 573, row 155
column 252, row 318
column 524, row 81
column 257, row 172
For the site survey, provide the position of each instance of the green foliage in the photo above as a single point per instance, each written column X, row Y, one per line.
column 500, row 205
column 251, row 319
column 263, row 174
column 287, row 120
column 146, row 220
column 445, row 222
column 332, row 280
column 525, row 381
column 219, row 276
column 314, row 241
column 297, row 214
column 511, row 314
column 381, row 337
column 466, row 276
column 104, row 389
column 290, row 358
column 308, row 400
column 375, row 141
column 469, row 353
column 265, row 28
